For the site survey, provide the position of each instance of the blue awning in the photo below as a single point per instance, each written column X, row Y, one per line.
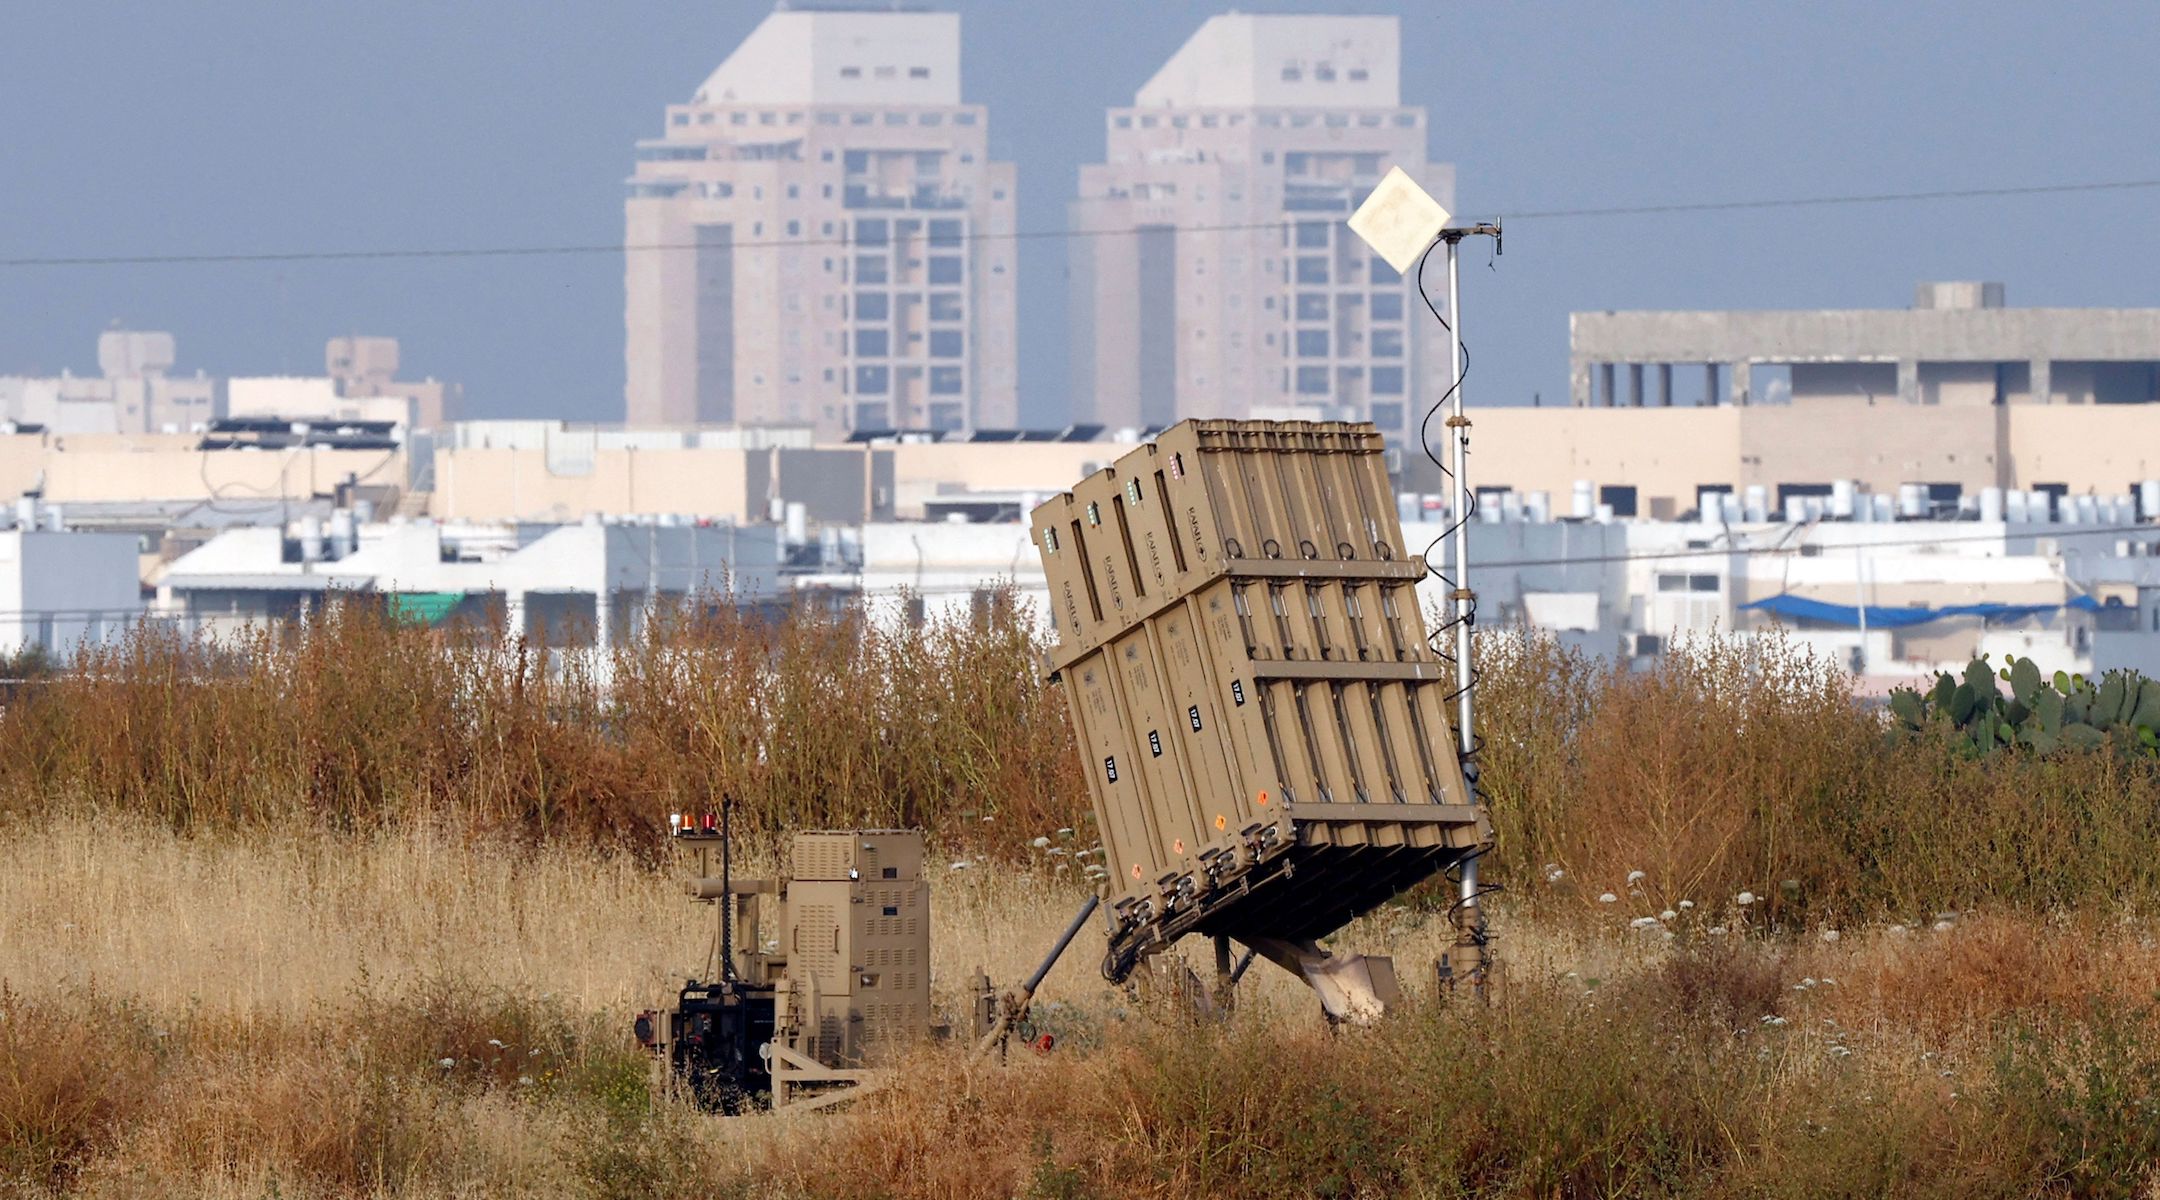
column 1882, row 617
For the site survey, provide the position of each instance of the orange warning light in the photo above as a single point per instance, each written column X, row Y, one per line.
column 1220, row 823
column 1263, row 799
column 1136, row 870
column 1177, row 846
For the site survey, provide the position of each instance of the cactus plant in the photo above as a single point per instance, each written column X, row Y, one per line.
column 2039, row 713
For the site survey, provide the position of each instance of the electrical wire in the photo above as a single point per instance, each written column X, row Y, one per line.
column 1511, row 214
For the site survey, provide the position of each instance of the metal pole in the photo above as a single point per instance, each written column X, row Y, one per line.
column 1459, row 432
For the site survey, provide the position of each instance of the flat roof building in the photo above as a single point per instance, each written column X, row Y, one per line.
column 1240, row 291
column 819, row 237
column 1958, row 344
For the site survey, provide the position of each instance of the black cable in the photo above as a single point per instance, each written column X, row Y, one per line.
column 1464, row 614
column 1550, row 214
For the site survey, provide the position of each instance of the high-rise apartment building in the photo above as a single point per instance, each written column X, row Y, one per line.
column 1239, row 290
column 820, row 238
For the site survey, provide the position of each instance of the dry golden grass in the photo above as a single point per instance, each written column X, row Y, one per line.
column 367, row 912
column 255, row 1015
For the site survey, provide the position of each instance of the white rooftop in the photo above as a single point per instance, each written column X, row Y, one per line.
column 1249, row 60
column 842, row 57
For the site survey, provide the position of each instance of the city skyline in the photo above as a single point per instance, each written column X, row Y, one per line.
column 1548, row 107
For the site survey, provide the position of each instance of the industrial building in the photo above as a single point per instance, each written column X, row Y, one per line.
column 564, row 584
column 61, row 589
column 1954, row 396
column 135, row 391
column 1240, row 292
column 820, row 238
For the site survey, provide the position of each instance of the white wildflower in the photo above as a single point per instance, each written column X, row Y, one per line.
column 1829, row 935
column 1608, row 898
column 446, row 1063
column 1668, row 915
column 1744, row 899
column 1041, row 843
column 525, row 1081
column 1716, row 931
column 1643, row 923
column 1686, row 904
column 1634, row 877
column 962, row 865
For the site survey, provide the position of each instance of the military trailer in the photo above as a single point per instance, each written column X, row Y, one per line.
column 804, row 1018
column 1267, row 730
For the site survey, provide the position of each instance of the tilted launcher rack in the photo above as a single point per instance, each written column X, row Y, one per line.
column 1267, row 731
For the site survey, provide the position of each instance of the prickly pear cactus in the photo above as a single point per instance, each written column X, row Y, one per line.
column 2040, row 714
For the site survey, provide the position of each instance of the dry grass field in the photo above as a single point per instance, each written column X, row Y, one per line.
column 414, row 976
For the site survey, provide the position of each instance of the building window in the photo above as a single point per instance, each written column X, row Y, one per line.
column 1387, row 343
column 1312, row 343
column 1312, row 381
column 1324, row 73
column 871, row 268
column 1386, row 306
column 1388, row 416
column 1381, row 270
column 1312, row 269
column 945, row 268
column 1312, row 235
column 1359, row 75
column 872, row 306
column 887, row 72
column 682, row 118
column 861, row 118
column 933, row 119
column 1123, row 122
column 918, row 72
column 946, row 306
column 944, row 234
column 828, row 118
column 1312, row 306
column 966, row 118
column 851, row 72
column 872, row 231
column 1406, row 120
column 945, row 381
column 1292, row 74
column 872, row 343
column 872, row 381
column 945, row 343
column 1387, row 381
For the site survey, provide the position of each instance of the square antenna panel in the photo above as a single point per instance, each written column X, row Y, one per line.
column 1399, row 220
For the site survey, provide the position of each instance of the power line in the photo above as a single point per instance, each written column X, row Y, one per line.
column 574, row 249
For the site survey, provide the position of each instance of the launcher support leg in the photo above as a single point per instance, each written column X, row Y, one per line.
column 1013, row 1005
column 1354, row 989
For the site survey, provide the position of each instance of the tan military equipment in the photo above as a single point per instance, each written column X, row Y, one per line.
column 809, row 1015
column 1265, row 727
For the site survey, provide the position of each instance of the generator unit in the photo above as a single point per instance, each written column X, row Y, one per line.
column 1266, row 730
column 801, row 1018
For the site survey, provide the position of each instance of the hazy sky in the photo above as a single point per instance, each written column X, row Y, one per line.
column 131, row 127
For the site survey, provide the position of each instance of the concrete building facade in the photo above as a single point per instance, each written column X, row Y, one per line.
column 1240, row 292
column 133, row 392
column 59, row 590
column 819, row 237
column 1958, row 345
